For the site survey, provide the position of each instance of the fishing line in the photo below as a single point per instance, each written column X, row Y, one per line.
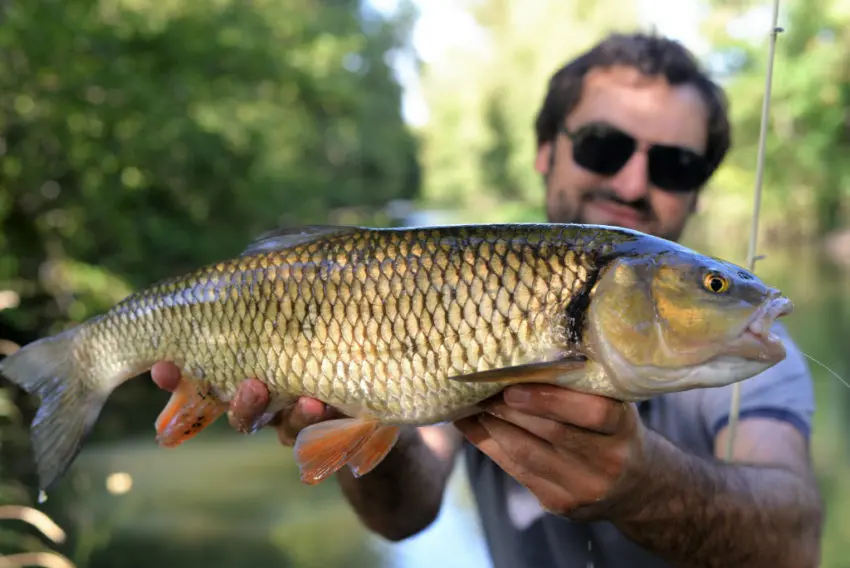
column 751, row 255
column 827, row 369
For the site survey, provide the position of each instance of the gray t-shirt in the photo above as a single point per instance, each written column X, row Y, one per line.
column 520, row 534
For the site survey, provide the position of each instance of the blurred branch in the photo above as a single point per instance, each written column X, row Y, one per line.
column 35, row 518
column 45, row 559
column 47, row 527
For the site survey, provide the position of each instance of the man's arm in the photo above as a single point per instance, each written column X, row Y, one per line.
column 590, row 458
column 761, row 510
column 403, row 495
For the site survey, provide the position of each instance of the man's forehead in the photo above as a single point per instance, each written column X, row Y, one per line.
column 647, row 106
column 623, row 76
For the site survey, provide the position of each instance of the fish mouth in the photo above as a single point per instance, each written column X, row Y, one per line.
column 756, row 342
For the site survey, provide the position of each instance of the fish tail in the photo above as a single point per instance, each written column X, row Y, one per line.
column 70, row 400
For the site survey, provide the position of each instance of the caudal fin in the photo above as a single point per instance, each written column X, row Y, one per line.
column 70, row 401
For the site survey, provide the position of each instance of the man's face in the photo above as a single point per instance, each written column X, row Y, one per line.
column 651, row 111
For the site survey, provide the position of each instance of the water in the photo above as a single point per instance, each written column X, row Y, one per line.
column 166, row 507
column 223, row 500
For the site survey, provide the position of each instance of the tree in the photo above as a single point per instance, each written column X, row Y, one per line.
column 138, row 140
column 805, row 168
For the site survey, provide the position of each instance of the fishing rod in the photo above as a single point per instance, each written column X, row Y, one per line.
column 775, row 30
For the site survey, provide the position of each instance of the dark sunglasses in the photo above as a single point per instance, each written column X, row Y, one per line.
column 604, row 149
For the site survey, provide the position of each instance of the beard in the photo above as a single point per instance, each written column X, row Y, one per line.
column 562, row 210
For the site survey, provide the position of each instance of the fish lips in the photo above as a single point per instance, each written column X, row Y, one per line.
column 756, row 342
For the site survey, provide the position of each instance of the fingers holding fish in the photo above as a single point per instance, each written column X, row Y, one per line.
column 304, row 412
column 166, row 375
column 586, row 457
column 604, row 454
column 590, row 412
column 245, row 413
column 560, row 482
column 512, row 449
column 247, row 410
column 248, row 406
column 577, row 441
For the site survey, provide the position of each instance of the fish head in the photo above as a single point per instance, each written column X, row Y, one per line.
column 676, row 320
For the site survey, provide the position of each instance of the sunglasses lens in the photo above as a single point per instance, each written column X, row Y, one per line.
column 676, row 169
column 602, row 149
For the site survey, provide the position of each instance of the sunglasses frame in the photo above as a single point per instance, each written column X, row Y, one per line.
column 660, row 156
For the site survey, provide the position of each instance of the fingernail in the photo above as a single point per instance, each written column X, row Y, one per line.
column 261, row 422
column 516, row 395
column 250, row 398
column 301, row 416
column 495, row 409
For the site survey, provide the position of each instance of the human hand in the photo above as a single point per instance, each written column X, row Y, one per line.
column 581, row 455
column 247, row 411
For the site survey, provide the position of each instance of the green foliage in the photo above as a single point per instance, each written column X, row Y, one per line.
column 805, row 169
column 139, row 139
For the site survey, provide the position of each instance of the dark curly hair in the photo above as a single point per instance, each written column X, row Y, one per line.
column 652, row 55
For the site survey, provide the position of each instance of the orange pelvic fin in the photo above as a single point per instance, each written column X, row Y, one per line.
column 191, row 408
column 560, row 372
column 373, row 451
column 322, row 449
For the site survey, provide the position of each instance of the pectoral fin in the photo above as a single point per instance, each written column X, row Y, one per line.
column 322, row 449
column 191, row 408
column 561, row 372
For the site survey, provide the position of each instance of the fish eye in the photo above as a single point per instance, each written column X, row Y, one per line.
column 716, row 283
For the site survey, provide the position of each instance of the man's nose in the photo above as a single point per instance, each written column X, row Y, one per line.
column 632, row 181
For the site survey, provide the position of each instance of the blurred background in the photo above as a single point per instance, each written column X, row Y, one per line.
column 142, row 138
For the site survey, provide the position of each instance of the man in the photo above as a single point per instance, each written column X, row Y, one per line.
column 568, row 479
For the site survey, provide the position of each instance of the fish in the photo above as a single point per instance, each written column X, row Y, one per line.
column 406, row 326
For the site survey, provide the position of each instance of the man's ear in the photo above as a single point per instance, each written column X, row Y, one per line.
column 544, row 158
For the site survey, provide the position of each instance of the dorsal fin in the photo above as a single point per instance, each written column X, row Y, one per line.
column 286, row 237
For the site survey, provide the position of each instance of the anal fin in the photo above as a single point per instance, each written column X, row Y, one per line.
column 324, row 448
column 560, row 371
column 191, row 408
